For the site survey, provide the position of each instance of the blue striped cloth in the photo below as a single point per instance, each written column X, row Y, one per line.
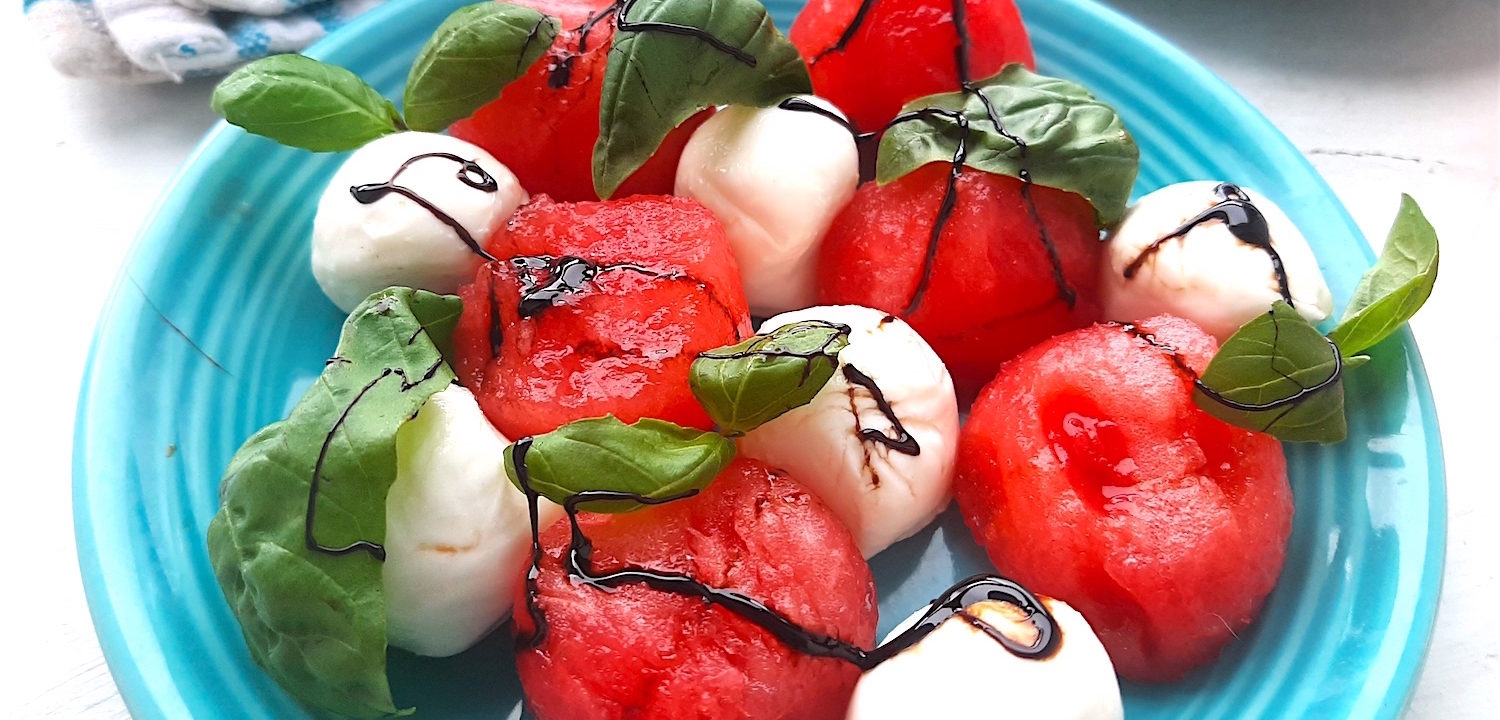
column 161, row 40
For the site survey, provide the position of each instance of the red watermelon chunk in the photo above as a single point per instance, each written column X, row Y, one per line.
column 663, row 287
column 991, row 291
column 1089, row 475
column 902, row 50
column 638, row 652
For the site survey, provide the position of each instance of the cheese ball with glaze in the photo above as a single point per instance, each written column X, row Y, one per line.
column 457, row 532
column 1209, row 274
column 959, row 671
column 372, row 230
column 834, row 444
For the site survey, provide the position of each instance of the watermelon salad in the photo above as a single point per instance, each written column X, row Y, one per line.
column 662, row 323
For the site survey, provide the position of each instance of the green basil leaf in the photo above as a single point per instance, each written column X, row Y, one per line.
column 301, row 102
column 316, row 621
column 1395, row 289
column 1355, row 361
column 471, row 57
column 1277, row 375
column 750, row 384
column 1073, row 141
column 656, row 78
column 651, row 458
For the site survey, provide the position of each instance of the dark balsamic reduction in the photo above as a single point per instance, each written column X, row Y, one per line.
column 1289, row 402
column 903, row 442
column 759, row 350
column 962, row 52
column 547, row 281
column 1245, row 222
column 469, row 173
column 376, row 550
column 579, row 566
column 562, row 70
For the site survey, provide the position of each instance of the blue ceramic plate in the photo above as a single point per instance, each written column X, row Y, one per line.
column 216, row 327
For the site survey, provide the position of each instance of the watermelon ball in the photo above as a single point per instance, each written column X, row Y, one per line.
column 544, row 125
column 1088, row 474
column 598, row 308
column 902, row 50
column 639, row 652
column 992, row 288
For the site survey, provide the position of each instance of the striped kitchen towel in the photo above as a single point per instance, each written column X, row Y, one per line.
column 157, row 40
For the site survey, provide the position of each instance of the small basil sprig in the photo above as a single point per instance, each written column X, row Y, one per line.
column 298, row 101
column 650, row 458
column 750, row 384
column 301, row 102
column 1073, row 141
column 1278, row 375
column 316, row 620
column 471, row 57
column 1392, row 291
column 671, row 59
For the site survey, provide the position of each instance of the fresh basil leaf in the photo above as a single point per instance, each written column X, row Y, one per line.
column 1073, row 141
column 316, row 621
column 1277, row 375
column 1395, row 289
column 657, row 77
column 1355, row 361
column 750, row 384
column 298, row 101
column 471, row 57
column 651, row 458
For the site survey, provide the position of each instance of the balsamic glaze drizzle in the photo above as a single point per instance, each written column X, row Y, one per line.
column 849, row 32
column 547, row 281
column 903, row 442
column 961, row 53
column 625, row 24
column 1245, row 222
column 1286, row 403
column 579, row 566
column 469, row 173
column 759, row 350
column 562, row 70
column 376, row 550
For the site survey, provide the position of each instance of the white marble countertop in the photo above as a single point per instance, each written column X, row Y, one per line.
column 1385, row 96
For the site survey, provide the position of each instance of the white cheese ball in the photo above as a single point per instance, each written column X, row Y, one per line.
column 1208, row 276
column 776, row 179
column 880, row 494
column 959, row 671
column 362, row 248
column 457, row 532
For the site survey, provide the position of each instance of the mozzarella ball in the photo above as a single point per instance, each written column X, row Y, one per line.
column 1208, row 275
column 359, row 248
column 960, row 671
column 776, row 179
column 882, row 495
column 457, row 532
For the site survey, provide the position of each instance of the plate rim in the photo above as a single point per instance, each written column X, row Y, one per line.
column 137, row 690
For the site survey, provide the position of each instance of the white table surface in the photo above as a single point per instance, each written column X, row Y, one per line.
column 1385, row 96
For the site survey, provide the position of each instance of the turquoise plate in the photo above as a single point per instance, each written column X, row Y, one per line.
column 215, row 327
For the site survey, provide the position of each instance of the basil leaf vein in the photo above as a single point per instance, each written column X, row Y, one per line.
column 1394, row 290
column 316, row 621
column 650, row 458
column 301, row 102
column 1277, row 375
column 655, row 80
column 749, row 384
column 1073, row 141
column 472, row 56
